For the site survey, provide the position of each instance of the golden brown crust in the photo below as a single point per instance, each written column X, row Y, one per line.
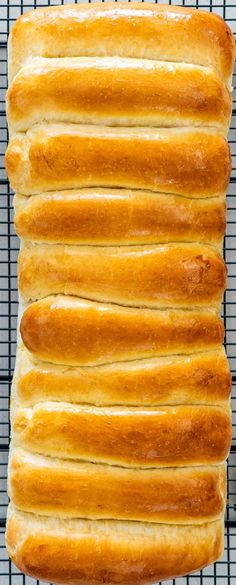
column 85, row 490
column 130, row 436
column 174, row 275
column 144, row 460
column 194, row 379
column 78, row 332
column 116, row 92
column 194, row 162
column 117, row 216
column 160, row 32
column 131, row 553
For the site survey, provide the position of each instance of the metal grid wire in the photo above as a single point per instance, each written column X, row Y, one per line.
column 223, row 572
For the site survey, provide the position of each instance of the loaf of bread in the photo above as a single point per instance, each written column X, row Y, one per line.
column 194, row 162
column 117, row 92
column 120, row 408
column 119, row 217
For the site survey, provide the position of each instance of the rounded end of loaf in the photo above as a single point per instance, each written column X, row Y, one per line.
column 97, row 552
column 16, row 161
column 77, row 31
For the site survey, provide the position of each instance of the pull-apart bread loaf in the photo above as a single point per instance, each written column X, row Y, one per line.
column 121, row 425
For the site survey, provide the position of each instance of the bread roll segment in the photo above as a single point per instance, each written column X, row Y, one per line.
column 174, row 275
column 116, row 92
column 201, row 378
column 119, row 217
column 149, row 31
column 130, row 436
column 87, row 551
column 66, row 330
column 185, row 161
column 72, row 489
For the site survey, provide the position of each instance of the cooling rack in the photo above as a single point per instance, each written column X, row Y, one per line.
column 223, row 572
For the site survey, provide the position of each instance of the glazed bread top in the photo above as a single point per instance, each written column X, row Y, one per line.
column 167, row 436
column 201, row 378
column 188, row 495
column 121, row 423
column 66, row 330
column 194, row 162
column 171, row 275
column 49, row 548
column 116, row 92
column 117, row 216
column 160, row 32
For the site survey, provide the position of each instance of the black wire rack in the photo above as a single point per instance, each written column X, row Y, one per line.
column 223, row 572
